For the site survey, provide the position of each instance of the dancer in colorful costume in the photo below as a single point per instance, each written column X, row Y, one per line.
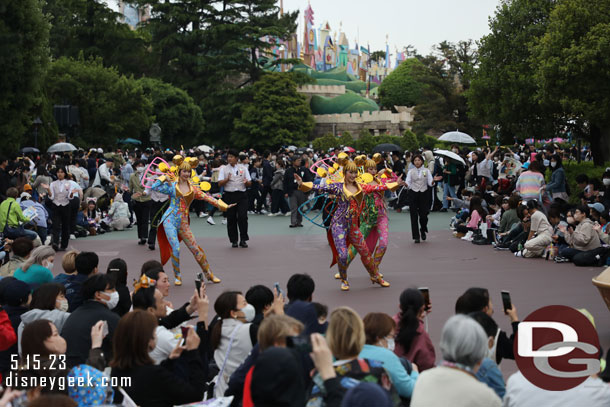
column 182, row 187
column 374, row 217
column 344, row 226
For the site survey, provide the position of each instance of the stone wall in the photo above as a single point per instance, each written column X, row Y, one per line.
column 377, row 123
column 321, row 90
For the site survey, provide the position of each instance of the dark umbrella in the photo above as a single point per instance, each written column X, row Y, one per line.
column 386, row 148
column 26, row 150
column 301, row 150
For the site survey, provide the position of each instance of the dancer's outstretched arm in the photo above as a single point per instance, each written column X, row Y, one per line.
column 335, row 188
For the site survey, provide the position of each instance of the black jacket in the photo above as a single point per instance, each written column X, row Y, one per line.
column 77, row 331
column 268, row 171
column 161, row 386
column 124, row 304
column 177, row 317
column 5, row 183
column 290, row 184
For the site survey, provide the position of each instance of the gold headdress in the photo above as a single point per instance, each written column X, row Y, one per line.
column 369, row 164
column 350, row 166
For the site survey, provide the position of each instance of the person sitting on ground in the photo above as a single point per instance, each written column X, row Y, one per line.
column 261, row 298
column 452, row 383
column 540, row 234
column 530, row 182
column 477, row 215
column 581, row 239
column 37, row 268
column 99, row 298
column 68, row 263
column 379, row 329
column 86, row 265
column 11, row 218
column 117, row 271
column 48, row 302
column 412, row 340
column 16, row 298
column 509, row 218
column 477, row 299
column 119, row 213
column 20, row 249
column 156, row 385
column 346, row 338
column 489, row 372
column 300, row 288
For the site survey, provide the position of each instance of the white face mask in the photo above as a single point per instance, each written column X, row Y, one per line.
column 546, row 163
column 606, row 181
column 553, row 164
column 113, row 301
column 140, row 170
column 50, row 265
column 390, row 344
column 63, row 305
column 249, row 312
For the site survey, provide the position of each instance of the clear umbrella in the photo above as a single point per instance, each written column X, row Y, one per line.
column 451, row 155
column 61, row 148
column 205, row 148
column 457, row 137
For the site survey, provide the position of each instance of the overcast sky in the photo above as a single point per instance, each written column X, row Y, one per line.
column 421, row 23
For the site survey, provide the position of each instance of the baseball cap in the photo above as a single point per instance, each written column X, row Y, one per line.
column 598, row 207
column 25, row 195
column 27, row 187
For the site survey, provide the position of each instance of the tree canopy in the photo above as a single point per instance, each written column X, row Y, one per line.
column 403, row 87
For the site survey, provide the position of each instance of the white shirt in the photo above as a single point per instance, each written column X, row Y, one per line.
column 103, row 173
column 521, row 393
column 239, row 175
column 166, row 342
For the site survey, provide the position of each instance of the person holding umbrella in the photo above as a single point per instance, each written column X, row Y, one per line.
column 450, row 180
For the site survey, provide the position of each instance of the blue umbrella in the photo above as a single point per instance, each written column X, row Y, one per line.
column 130, row 141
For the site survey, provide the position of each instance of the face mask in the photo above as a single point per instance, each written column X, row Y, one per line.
column 390, row 344
column 455, row 150
column 249, row 312
column 63, row 305
column 50, row 265
column 140, row 169
column 606, row 181
column 546, row 163
column 113, row 301
column 553, row 164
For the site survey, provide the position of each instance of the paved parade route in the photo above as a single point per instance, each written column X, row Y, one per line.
column 448, row 266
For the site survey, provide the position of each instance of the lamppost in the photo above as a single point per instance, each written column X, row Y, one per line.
column 37, row 122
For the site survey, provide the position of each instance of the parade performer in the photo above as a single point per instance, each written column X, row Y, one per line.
column 344, row 226
column 182, row 188
column 374, row 217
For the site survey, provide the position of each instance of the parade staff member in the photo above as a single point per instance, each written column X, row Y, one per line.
column 235, row 178
column 419, row 180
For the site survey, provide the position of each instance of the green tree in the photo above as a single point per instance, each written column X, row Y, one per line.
column 92, row 28
column 366, row 141
column 403, row 87
column 275, row 114
column 572, row 60
column 325, row 142
column 409, row 141
column 24, row 57
column 503, row 89
column 346, row 139
column 176, row 113
column 378, row 56
column 111, row 106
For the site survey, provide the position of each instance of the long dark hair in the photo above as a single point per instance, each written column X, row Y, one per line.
column 411, row 302
column 476, row 205
column 45, row 296
column 117, row 270
column 223, row 306
column 33, row 337
column 131, row 337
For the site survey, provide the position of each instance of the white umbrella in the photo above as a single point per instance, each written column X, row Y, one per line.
column 61, row 148
column 451, row 155
column 292, row 148
column 457, row 137
column 205, row 148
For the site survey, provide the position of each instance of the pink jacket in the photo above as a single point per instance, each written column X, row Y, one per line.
column 422, row 350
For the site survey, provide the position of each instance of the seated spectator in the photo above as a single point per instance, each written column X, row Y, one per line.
column 509, row 217
column 11, row 217
column 463, row 346
column 230, row 337
column 119, row 213
column 261, row 298
column 593, row 392
column 531, row 181
column 99, row 298
column 42, row 215
column 86, row 265
column 20, row 249
column 477, row 299
column 273, row 332
column 117, row 271
column 412, row 340
column 380, row 330
column 153, row 385
column 366, row 394
column 581, row 239
column 41, row 339
column 477, row 215
column 540, row 234
column 68, row 263
column 489, row 372
column 16, row 296
column 346, row 338
column 48, row 302
column 300, row 290
column 37, row 268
